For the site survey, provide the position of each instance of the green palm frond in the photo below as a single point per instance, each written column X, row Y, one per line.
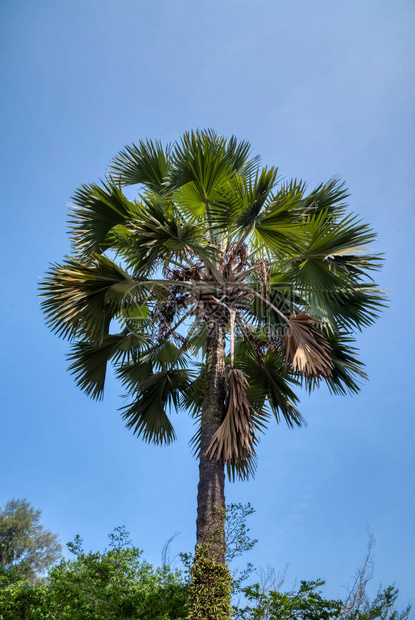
column 333, row 253
column 347, row 373
column 157, row 379
column 238, row 155
column 147, row 415
column 242, row 470
column 90, row 360
column 199, row 158
column 146, row 163
column 254, row 196
column 270, row 381
column 208, row 161
column 97, row 210
column 79, row 297
column 157, row 235
column 328, row 197
column 237, row 203
column 165, row 354
column 162, row 356
column 349, row 308
column 278, row 231
column 328, row 238
column 190, row 202
column 355, row 266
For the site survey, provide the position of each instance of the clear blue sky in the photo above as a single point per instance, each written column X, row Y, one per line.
column 320, row 88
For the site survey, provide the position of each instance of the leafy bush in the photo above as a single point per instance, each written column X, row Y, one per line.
column 114, row 585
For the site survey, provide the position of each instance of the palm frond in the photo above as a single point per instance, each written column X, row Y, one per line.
column 347, row 372
column 146, row 163
column 234, row 440
column 190, row 202
column 159, row 357
column 328, row 197
column 349, row 307
column 238, row 155
column 97, row 210
column 90, row 360
column 156, row 235
column 270, row 381
column 207, row 160
column 328, row 238
column 236, row 204
column 306, row 347
column 278, row 231
column 77, row 299
column 254, row 195
column 332, row 271
column 242, row 470
column 146, row 416
column 200, row 158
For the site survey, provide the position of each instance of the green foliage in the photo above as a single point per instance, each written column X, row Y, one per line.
column 25, row 544
column 237, row 537
column 114, row 585
column 383, row 607
column 210, row 588
column 306, row 603
column 21, row 599
column 119, row 585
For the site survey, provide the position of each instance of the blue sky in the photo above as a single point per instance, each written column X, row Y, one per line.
column 321, row 88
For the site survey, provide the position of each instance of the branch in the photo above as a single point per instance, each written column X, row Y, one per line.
column 362, row 577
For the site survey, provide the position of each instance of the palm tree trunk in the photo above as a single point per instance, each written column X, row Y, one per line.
column 211, row 489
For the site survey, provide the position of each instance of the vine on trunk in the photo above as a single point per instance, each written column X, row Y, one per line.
column 210, row 588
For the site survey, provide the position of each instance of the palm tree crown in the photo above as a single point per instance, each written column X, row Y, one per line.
column 213, row 247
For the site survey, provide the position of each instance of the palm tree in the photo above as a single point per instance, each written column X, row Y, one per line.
column 218, row 291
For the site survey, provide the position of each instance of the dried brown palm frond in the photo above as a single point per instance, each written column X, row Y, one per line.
column 306, row 347
column 233, row 442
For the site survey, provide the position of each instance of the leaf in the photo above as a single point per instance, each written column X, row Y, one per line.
column 347, row 369
column 269, row 381
column 306, row 347
column 207, row 160
column 242, row 470
column 95, row 212
column 254, row 195
column 77, row 297
column 234, row 440
column 146, row 416
column 347, row 307
column 146, row 163
column 89, row 360
column 329, row 238
column 160, row 357
column 278, row 229
column 328, row 197
column 156, row 234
